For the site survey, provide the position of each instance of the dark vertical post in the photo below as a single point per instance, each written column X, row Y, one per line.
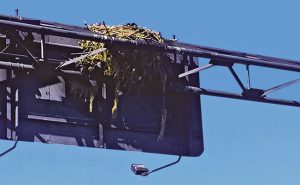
column 12, row 107
column 17, row 12
column 248, row 77
column 42, row 47
column 102, row 91
column 100, row 141
column 16, row 113
column 8, row 104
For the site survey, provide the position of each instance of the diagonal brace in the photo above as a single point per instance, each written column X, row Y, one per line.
column 236, row 77
column 281, row 86
column 196, row 70
column 74, row 60
column 17, row 39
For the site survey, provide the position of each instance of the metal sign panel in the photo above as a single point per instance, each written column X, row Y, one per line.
column 36, row 104
column 38, row 109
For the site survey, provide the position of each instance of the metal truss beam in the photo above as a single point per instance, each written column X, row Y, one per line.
column 198, row 51
column 218, row 57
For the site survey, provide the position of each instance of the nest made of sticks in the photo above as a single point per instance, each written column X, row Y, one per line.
column 131, row 65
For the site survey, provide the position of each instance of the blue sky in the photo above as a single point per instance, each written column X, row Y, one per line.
column 246, row 143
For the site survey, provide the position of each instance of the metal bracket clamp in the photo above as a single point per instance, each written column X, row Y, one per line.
column 141, row 169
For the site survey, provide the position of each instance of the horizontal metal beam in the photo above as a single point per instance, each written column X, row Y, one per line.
column 4, row 56
column 13, row 25
column 210, row 92
column 11, row 65
column 19, row 66
column 223, row 94
column 231, row 52
column 199, row 52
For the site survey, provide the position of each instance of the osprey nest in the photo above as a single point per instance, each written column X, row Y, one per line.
column 128, row 66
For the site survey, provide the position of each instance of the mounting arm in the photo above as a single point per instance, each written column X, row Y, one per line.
column 140, row 169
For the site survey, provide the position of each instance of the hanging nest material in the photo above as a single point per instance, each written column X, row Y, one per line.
column 82, row 89
column 131, row 65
